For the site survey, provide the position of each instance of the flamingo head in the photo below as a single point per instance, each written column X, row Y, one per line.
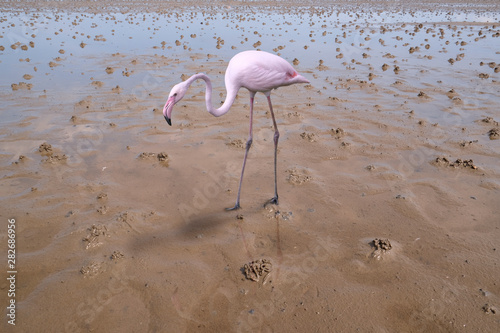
column 176, row 94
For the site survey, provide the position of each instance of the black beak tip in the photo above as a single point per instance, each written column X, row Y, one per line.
column 168, row 120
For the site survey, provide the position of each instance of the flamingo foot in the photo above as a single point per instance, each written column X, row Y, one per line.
column 272, row 201
column 237, row 206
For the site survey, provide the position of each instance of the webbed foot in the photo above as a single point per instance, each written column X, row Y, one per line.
column 237, row 206
column 272, row 201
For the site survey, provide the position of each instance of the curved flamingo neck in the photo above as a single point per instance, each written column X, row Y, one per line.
column 230, row 95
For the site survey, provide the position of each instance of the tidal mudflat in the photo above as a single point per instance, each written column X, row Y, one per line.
column 387, row 166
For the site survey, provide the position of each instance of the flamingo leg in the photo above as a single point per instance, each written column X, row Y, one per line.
column 274, row 200
column 249, row 144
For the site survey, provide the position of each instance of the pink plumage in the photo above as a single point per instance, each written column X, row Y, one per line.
column 260, row 71
column 257, row 71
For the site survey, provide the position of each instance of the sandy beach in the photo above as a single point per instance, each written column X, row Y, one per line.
column 388, row 168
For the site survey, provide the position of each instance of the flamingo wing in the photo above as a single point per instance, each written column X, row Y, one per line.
column 260, row 71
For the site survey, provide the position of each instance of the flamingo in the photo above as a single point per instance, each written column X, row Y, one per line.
column 257, row 71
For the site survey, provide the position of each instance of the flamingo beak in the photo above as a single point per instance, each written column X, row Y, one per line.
column 167, row 109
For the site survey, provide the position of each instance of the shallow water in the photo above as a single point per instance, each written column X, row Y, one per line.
column 104, row 228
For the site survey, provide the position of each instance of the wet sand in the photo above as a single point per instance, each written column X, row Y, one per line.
column 388, row 169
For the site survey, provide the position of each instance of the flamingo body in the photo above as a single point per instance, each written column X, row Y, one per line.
column 257, row 71
column 260, row 71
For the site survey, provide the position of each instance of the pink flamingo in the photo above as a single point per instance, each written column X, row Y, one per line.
column 256, row 71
